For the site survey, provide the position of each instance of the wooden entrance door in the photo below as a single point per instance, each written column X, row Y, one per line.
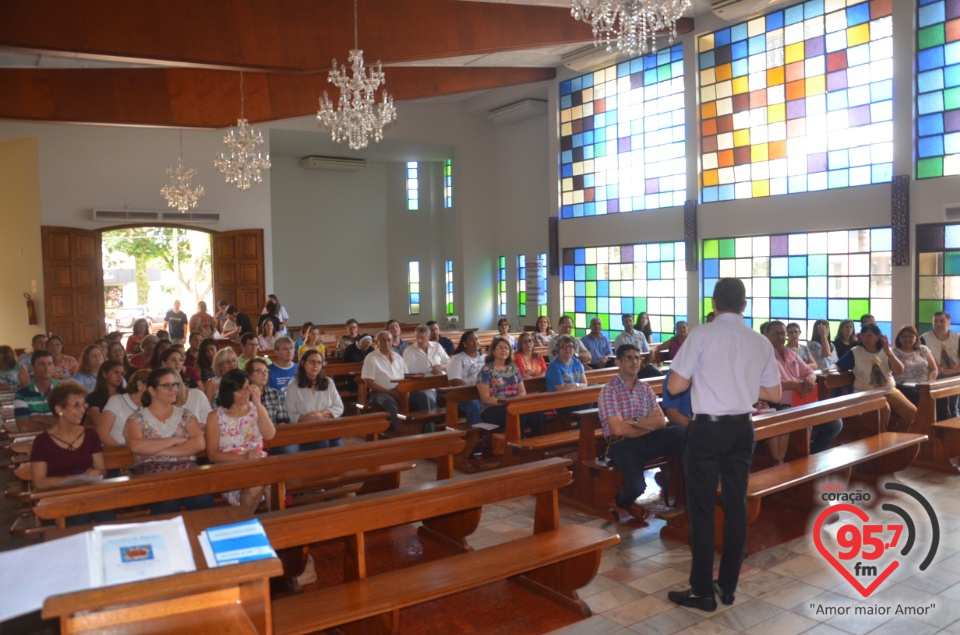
column 238, row 278
column 73, row 285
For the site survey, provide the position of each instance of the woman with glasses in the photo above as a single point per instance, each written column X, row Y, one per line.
column 530, row 362
column 64, row 366
column 165, row 437
column 793, row 343
column 236, row 431
column 313, row 397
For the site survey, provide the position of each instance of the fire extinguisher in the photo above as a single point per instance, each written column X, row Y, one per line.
column 31, row 310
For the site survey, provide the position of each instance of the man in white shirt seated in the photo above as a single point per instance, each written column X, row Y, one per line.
column 427, row 358
column 381, row 370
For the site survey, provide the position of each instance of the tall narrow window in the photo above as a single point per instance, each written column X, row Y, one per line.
column 502, row 286
column 448, row 183
column 522, row 285
column 413, row 285
column 449, row 288
column 413, row 186
column 541, row 285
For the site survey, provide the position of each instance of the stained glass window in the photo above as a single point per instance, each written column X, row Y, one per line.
column 413, row 186
column 622, row 137
column 413, row 284
column 798, row 100
column 542, row 308
column 938, row 89
column 448, row 183
column 449, row 288
column 502, row 286
column 522, row 285
column 801, row 278
column 938, row 273
column 607, row 282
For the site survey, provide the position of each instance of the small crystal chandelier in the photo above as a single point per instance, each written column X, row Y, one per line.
column 358, row 116
column 640, row 20
column 179, row 191
column 245, row 164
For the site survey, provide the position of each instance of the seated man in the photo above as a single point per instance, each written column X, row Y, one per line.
column 353, row 328
column 635, row 430
column 435, row 336
column 797, row 376
column 601, row 353
column 249, row 347
column 30, row 406
column 284, row 370
column 565, row 327
column 39, row 343
column 381, row 370
column 398, row 345
column 632, row 336
column 427, row 358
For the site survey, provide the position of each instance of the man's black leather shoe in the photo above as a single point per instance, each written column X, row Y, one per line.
column 726, row 598
column 689, row 600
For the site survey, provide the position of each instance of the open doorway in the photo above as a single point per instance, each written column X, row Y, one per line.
column 147, row 269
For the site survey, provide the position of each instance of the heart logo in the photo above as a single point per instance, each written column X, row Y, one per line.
column 818, row 541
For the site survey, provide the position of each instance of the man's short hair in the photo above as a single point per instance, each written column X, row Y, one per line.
column 943, row 314
column 223, row 303
column 283, row 339
column 867, row 315
column 729, row 295
column 565, row 317
column 39, row 355
column 431, row 323
column 422, row 328
column 231, row 310
column 625, row 316
column 391, row 321
column 351, row 321
column 246, row 337
column 36, row 337
column 623, row 349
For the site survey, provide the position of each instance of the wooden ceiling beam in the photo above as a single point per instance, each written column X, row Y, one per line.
column 293, row 36
column 187, row 97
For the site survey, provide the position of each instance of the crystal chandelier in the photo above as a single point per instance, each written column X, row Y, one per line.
column 179, row 190
column 245, row 164
column 359, row 116
column 639, row 22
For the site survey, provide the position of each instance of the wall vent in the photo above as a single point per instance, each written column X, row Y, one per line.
column 153, row 216
column 332, row 163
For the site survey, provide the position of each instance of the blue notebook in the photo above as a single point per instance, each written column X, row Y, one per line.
column 232, row 544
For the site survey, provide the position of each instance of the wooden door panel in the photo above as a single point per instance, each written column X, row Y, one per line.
column 225, row 275
column 249, row 247
column 237, row 259
column 225, row 247
column 73, row 285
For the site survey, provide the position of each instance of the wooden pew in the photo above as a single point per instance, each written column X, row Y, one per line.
column 123, row 492
column 940, row 454
column 554, row 561
column 871, row 455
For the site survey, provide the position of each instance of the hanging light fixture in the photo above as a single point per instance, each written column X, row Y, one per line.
column 179, row 190
column 359, row 116
column 245, row 164
column 639, row 22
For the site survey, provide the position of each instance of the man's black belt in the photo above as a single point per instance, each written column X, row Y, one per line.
column 724, row 418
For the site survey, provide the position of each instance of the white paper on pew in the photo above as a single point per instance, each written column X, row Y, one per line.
column 485, row 426
column 49, row 568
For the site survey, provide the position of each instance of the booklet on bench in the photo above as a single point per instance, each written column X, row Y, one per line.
column 235, row 543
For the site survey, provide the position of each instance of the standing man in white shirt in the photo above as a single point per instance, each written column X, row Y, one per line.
column 728, row 368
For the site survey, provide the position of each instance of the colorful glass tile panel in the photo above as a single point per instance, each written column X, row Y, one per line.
column 938, row 89
column 502, row 286
column 542, row 308
column 451, row 309
column 622, row 137
column 805, row 277
column 938, row 273
column 413, row 186
column 607, row 282
column 413, row 284
column 797, row 100
column 522, row 285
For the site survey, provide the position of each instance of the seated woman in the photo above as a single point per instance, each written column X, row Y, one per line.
column 236, row 430
column 644, row 326
column 68, row 450
column 311, row 343
column 120, row 407
column 672, row 345
column 463, row 370
column 208, row 350
column 189, row 396
column 846, row 338
column 822, row 350
column 503, row 325
column 173, row 357
column 302, row 335
column 109, row 384
column 141, row 360
column 793, row 343
column 267, row 335
column 530, row 362
column 90, row 360
column 158, row 350
column 224, row 360
column 500, row 379
column 873, row 365
column 192, row 354
column 64, row 366
column 13, row 375
column 164, row 437
column 919, row 366
column 544, row 334
column 141, row 329
column 313, row 397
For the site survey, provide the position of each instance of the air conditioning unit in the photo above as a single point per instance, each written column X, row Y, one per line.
column 590, row 58
column 740, row 10
column 332, row 163
column 518, row 111
column 153, row 216
column 952, row 211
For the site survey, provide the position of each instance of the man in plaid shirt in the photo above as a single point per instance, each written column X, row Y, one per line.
column 636, row 431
